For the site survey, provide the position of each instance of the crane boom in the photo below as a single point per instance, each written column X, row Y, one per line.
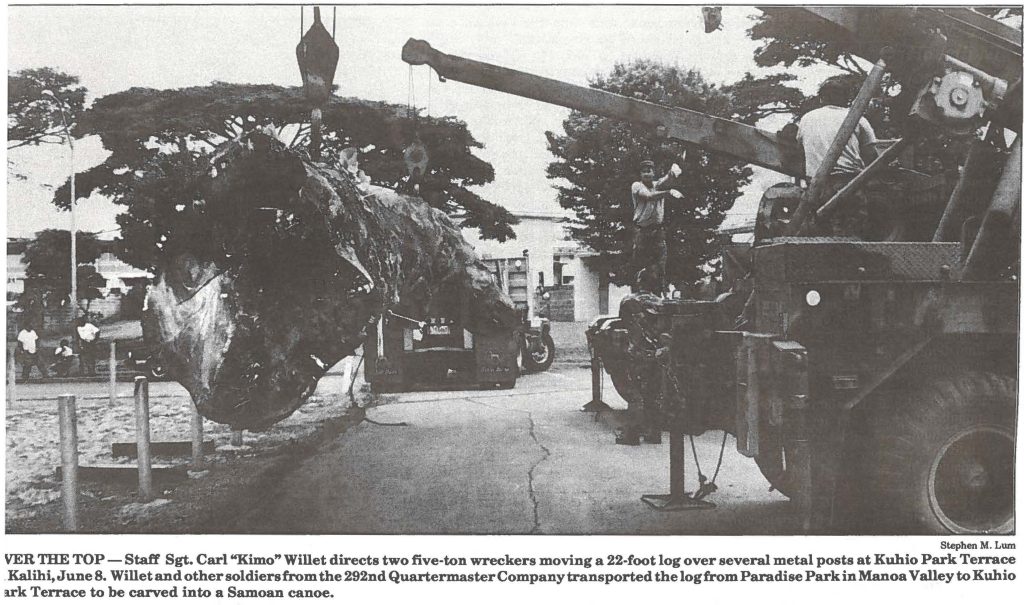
column 741, row 141
column 988, row 49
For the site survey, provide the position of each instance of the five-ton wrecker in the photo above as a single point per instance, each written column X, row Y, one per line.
column 438, row 352
column 869, row 379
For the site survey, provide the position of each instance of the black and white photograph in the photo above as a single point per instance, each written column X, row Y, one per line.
column 513, row 270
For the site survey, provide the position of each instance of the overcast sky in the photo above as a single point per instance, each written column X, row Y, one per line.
column 112, row 48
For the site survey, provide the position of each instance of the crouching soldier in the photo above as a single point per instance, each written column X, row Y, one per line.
column 644, row 417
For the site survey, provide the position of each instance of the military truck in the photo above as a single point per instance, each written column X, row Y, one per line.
column 873, row 382
column 438, row 351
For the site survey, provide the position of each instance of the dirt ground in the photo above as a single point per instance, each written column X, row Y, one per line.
column 231, row 479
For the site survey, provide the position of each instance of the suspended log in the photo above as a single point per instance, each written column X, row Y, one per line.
column 312, row 258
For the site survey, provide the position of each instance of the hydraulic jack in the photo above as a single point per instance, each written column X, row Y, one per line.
column 677, row 498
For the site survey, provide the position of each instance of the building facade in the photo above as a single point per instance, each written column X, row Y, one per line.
column 119, row 277
column 559, row 266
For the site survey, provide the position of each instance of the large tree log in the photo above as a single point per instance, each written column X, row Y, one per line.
column 311, row 257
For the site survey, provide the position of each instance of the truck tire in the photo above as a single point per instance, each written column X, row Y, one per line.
column 946, row 455
column 541, row 359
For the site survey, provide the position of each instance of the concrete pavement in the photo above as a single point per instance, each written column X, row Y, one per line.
column 506, row 462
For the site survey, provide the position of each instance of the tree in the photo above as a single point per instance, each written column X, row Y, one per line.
column 34, row 118
column 600, row 158
column 793, row 36
column 48, row 271
column 756, row 98
column 162, row 140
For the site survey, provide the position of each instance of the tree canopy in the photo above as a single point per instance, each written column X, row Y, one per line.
column 793, row 36
column 600, row 159
column 161, row 140
column 48, row 271
column 34, row 117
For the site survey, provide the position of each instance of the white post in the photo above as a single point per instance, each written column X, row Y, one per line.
column 197, row 439
column 69, row 459
column 74, row 228
column 347, row 374
column 142, row 439
column 12, row 374
column 113, row 373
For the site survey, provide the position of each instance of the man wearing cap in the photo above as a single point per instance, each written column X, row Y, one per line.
column 649, row 249
column 818, row 128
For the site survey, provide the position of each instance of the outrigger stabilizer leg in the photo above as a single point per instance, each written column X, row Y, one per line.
column 677, row 498
column 596, row 404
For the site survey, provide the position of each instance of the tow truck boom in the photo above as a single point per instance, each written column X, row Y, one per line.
column 747, row 143
column 992, row 49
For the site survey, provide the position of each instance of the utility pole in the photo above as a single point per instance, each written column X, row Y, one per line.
column 74, row 227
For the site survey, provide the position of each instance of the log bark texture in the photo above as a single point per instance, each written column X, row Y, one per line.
column 311, row 257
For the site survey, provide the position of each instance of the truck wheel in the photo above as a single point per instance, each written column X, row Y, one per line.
column 946, row 457
column 543, row 356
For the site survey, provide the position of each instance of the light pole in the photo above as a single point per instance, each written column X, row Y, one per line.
column 74, row 230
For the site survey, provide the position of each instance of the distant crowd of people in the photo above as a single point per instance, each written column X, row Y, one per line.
column 86, row 340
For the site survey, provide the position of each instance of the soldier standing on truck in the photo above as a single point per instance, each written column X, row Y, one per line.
column 818, row 128
column 649, row 249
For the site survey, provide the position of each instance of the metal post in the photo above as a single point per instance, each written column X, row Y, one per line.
column 676, row 463
column 860, row 104
column 12, row 374
column 197, row 439
column 142, row 439
column 347, row 373
column 113, row 373
column 596, row 403
column 69, row 459
column 677, row 498
column 74, row 228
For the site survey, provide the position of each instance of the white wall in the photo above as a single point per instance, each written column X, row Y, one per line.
column 115, row 271
column 543, row 236
column 538, row 234
column 615, row 296
column 15, row 274
column 588, row 290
